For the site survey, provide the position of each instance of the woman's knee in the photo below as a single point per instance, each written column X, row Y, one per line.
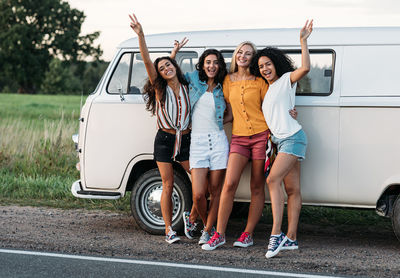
column 293, row 191
column 273, row 180
column 215, row 189
column 258, row 188
column 230, row 187
column 198, row 197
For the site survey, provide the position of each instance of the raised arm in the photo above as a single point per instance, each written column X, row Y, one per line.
column 177, row 46
column 305, row 56
column 137, row 27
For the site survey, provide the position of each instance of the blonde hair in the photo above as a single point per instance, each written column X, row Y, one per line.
column 233, row 68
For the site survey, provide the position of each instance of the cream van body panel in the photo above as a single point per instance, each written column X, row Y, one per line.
column 118, row 124
column 369, row 137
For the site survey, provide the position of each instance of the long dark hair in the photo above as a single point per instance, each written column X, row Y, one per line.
column 222, row 72
column 281, row 61
column 160, row 85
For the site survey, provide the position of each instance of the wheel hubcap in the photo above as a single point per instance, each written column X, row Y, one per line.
column 151, row 204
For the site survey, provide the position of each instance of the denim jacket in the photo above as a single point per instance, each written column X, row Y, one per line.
column 197, row 88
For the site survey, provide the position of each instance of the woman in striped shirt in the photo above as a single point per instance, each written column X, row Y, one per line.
column 166, row 96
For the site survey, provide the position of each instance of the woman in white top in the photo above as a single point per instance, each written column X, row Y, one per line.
column 277, row 69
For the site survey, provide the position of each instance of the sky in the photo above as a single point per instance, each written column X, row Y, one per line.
column 161, row 16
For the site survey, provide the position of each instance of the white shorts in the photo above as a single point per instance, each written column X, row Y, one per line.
column 209, row 150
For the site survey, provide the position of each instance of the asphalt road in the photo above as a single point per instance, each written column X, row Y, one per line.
column 340, row 250
column 19, row 263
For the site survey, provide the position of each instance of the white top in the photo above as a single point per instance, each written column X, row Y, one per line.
column 203, row 115
column 280, row 98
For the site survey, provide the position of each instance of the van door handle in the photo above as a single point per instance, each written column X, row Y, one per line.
column 121, row 95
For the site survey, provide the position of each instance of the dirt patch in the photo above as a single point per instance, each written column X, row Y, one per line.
column 344, row 250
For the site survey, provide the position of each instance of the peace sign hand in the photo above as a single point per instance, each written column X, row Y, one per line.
column 305, row 32
column 178, row 45
column 135, row 25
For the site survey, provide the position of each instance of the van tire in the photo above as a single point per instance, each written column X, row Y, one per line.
column 145, row 206
column 396, row 217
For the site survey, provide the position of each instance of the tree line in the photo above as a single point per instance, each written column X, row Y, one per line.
column 42, row 49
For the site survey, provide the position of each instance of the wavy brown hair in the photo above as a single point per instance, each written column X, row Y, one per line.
column 222, row 72
column 160, row 85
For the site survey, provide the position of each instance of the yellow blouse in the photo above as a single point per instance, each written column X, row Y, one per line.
column 245, row 98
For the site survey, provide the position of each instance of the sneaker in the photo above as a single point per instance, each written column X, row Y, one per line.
column 205, row 237
column 213, row 230
column 171, row 237
column 245, row 240
column 290, row 245
column 275, row 244
column 214, row 242
column 189, row 227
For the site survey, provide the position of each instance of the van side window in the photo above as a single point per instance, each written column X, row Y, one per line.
column 187, row 61
column 227, row 54
column 318, row 82
column 133, row 63
column 119, row 80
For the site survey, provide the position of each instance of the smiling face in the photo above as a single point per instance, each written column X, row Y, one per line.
column 267, row 69
column 244, row 56
column 211, row 66
column 166, row 69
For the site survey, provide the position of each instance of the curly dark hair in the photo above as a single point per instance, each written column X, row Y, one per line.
column 160, row 84
column 222, row 72
column 281, row 61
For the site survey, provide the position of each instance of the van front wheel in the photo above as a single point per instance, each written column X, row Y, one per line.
column 396, row 217
column 146, row 197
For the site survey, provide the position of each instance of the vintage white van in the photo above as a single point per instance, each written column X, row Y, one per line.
column 349, row 106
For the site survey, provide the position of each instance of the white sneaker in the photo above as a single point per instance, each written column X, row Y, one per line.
column 171, row 237
column 205, row 237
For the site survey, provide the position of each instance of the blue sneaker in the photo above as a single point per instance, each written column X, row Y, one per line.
column 171, row 237
column 189, row 227
column 275, row 244
column 290, row 245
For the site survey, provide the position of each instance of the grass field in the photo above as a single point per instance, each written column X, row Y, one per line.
column 37, row 161
column 37, row 157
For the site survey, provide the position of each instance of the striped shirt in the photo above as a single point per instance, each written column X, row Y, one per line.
column 174, row 114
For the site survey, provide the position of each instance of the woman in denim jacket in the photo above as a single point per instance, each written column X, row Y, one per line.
column 209, row 145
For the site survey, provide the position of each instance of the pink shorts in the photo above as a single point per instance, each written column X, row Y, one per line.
column 253, row 147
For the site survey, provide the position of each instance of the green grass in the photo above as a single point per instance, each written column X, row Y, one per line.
column 37, row 156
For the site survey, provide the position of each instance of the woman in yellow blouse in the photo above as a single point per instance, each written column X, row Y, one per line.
column 244, row 92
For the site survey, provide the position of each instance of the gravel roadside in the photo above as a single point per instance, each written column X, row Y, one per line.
column 345, row 250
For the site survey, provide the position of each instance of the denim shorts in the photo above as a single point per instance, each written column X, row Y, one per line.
column 209, row 150
column 250, row 146
column 164, row 147
column 295, row 145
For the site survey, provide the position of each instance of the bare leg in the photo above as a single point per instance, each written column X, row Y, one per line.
column 167, row 177
column 236, row 164
column 199, row 187
column 216, row 180
column 281, row 167
column 193, row 213
column 257, row 183
column 292, row 187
